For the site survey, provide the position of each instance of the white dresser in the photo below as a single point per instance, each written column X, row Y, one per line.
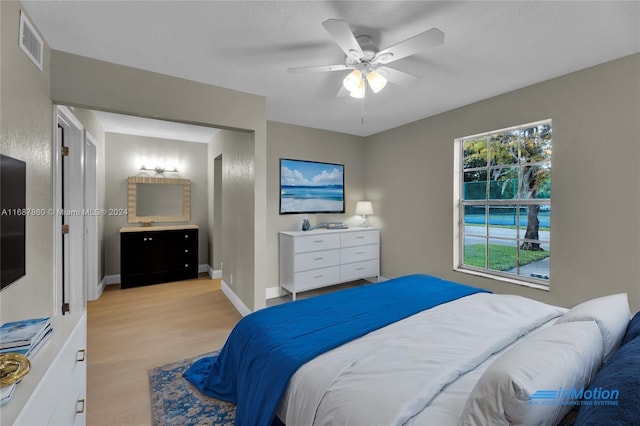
column 322, row 257
column 54, row 391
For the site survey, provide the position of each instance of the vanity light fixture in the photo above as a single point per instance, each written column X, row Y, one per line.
column 159, row 170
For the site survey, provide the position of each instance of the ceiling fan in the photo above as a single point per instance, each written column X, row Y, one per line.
column 368, row 62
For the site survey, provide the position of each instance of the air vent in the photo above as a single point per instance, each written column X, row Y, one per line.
column 30, row 41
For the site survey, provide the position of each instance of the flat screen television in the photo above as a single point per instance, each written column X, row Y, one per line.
column 13, row 184
column 311, row 187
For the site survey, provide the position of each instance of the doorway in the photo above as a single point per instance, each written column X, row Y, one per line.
column 68, row 215
column 94, row 285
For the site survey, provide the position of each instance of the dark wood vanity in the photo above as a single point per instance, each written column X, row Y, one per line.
column 158, row 254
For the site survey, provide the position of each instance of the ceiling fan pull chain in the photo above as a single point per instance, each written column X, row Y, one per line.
column 364, row 100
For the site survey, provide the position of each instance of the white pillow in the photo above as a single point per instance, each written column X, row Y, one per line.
column 611, row 313
column 562, row 356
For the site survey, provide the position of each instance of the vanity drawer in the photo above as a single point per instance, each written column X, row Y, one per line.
column 315, row 278
column 358, row 238
column 360, row 253
column 317, row 242
column 316, row 260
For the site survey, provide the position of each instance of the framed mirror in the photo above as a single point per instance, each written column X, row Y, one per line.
column 154, row 199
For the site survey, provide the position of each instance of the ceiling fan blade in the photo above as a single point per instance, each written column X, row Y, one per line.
column 430, row 38
column 341, row 33
column 398, row 77
column 319, row 68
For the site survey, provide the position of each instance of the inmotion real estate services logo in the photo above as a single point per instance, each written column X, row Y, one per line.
column 575, row 396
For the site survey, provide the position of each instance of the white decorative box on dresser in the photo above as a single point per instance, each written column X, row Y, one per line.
column 322, row 257
column 54, row 391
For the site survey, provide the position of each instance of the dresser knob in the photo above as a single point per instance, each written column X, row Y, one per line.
column 80, row 406
column 80, row 355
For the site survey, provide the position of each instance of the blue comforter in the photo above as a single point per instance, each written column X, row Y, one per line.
column 267, row 347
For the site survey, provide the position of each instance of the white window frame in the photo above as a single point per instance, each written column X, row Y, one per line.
column 458, row 214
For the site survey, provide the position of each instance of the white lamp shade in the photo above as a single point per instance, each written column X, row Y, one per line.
column 364, row 208
column 376, row 81
column 358, row 92
column 352, row 81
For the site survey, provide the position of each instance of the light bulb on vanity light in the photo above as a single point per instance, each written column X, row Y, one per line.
column 364, row 208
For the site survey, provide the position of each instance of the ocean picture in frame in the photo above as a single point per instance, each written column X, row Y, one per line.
column 311, row 187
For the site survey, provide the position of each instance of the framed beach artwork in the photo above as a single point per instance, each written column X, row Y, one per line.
column 311, row 187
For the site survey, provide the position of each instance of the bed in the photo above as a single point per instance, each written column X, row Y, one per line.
column 414, row 350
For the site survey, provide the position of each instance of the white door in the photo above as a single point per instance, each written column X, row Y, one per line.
column 68, row 212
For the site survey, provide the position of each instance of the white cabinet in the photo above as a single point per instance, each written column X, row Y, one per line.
column 320, row 258
column 59, row 394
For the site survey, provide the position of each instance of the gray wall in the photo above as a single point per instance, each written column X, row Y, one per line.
column 304, row 143
column 595, row 240
column 232, row 220
column 124, row 156
column 25, row 133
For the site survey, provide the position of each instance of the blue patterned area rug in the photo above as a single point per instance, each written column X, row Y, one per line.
column 176, row 402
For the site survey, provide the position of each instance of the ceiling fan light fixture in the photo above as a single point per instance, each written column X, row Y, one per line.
column 353, row 81
column 359, row 91
column 376, row 81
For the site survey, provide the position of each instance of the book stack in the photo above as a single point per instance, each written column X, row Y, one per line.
column 24, row 337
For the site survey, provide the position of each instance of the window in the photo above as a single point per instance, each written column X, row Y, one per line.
column 503, row 204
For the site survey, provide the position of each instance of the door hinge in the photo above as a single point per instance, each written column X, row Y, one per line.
column 65, row 151
column 65, row 229
column 65, row 308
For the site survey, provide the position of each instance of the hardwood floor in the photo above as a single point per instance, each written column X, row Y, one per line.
column 133, row 330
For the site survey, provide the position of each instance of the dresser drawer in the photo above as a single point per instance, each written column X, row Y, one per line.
column 354, row 271
column 317, row 278
column 360, row 253
column 357, row 238
column 317, row 242
column 316, row 260
column 71, row 408
column 64, row 383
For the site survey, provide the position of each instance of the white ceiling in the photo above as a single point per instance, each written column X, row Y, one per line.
column 139, row 126
column 490, row 47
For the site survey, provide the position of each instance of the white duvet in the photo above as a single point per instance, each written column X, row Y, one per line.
column 396, row 375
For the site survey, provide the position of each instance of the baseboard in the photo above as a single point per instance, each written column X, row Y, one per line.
column 235, row 300
column 272, row 292
column 111, row 279
column 115, row 279
column 214, row 274
column 103, row 282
